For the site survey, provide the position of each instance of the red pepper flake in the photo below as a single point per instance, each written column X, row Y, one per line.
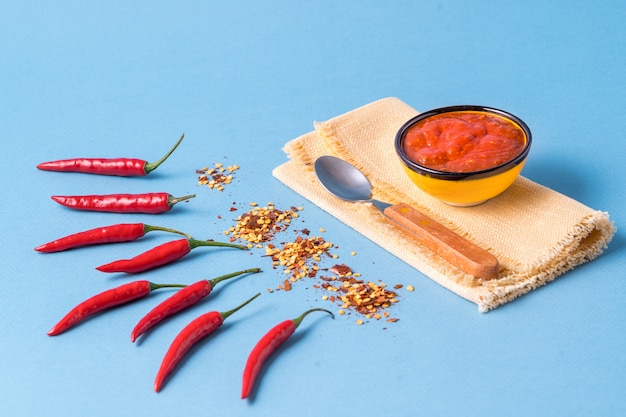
column 299, row 258
column 216, row 176
column 342, row 269
column 261, row 224
column 357, row 295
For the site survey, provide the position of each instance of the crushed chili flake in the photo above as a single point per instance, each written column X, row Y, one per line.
column 217, row 176
column 341, row 269
column 261, row 224
column 299, row 258
column 353, row 294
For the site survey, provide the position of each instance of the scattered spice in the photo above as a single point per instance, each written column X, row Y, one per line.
column 261, row 224
column 299, row 258
column 217, row 176
column 354, row 294
column 342, row 269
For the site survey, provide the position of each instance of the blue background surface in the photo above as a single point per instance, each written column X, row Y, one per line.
column 126, row 78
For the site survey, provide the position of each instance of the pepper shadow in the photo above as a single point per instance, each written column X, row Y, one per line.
column 295, row 338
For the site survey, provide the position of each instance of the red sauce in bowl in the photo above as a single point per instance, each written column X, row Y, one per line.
column 463, row 141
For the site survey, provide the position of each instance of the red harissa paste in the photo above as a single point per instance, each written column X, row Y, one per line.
column 463, row 141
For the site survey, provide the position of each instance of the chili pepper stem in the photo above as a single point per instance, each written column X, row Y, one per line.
column 154, row 286
column 299, row 319
column 194, row 243
column 214, row 281
column 149, row 228
column 151, row 166
column 173, row 200
column 225, row 314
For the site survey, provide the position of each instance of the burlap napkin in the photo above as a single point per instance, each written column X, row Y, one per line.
column 536, row 233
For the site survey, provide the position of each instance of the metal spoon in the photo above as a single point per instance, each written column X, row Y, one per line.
column 348, row 183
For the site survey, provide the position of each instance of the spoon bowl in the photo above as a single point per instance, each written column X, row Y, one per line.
column 345, row 181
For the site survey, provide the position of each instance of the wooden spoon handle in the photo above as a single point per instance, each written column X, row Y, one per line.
column 455, row 249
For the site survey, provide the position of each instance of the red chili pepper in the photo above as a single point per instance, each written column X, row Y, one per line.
column 182, row 299
column 123, row 167
column 110, row 298
column 123, row 232
column 160, row 255
column 195, row 331
column 266, row 346
column 151, row 203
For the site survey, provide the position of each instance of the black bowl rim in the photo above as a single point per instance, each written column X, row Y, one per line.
column 446, row 175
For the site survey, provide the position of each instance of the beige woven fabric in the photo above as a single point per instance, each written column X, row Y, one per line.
column 536, row 233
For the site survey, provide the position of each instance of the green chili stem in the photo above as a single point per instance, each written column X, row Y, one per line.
column 149, row 228
column 298, row 320
column 151, row 166
column 194, row 243
column 173, row 200
column 229, row 312
column 154, row 286
column 233, row 274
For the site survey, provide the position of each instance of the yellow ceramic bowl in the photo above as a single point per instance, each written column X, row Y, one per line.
column 465, row 188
